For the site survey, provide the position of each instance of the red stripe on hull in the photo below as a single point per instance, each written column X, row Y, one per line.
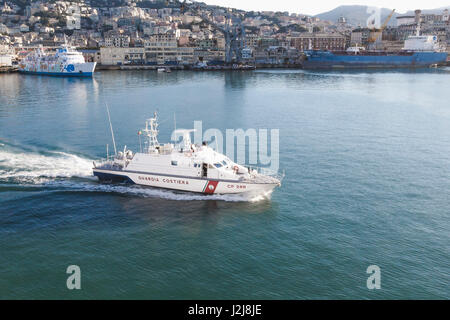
column 211, row 186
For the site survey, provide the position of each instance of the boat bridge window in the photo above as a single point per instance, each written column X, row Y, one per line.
column 218, row 165
column 174, row 163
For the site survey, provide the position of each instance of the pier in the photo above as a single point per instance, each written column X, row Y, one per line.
column 155, row 67
column 8, row 69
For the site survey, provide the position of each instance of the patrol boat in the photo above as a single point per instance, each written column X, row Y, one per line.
column 184, row 167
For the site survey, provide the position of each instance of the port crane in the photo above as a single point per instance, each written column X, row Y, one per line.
column 376, row 33
column 233, row 30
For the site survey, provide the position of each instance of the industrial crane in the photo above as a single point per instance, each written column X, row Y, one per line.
column 233, row 31
column 375, row 33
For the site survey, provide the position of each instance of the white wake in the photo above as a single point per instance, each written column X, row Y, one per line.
column 150, row 192
column 56, row 172
column 28, row 167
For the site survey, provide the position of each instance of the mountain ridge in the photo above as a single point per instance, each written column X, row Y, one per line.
column 357, row 14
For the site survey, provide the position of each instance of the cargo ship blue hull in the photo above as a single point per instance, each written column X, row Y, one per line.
column 318, row 59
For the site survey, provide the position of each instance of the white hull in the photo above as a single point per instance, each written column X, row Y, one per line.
column 65, row 62
column 81, row 69
column 181, row 183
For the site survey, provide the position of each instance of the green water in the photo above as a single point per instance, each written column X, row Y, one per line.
column 367, row 163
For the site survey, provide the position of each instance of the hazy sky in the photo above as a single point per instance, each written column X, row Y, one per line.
column 315, row 7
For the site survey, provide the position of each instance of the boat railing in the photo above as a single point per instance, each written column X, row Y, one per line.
column 267, row 172
column 103, row 162
column 111, row 162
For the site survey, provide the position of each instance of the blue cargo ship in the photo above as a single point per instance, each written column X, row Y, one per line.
column 418, row 51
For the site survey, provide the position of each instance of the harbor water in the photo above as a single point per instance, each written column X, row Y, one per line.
column 367, row 163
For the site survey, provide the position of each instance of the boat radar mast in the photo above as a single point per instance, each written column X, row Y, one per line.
column 151, row 132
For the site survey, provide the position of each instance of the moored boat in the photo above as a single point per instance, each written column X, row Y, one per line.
column 418, row 51
column 65, row 62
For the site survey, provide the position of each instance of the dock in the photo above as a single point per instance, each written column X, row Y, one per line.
column 175, row 67
column 155, row 67
column 8, row 69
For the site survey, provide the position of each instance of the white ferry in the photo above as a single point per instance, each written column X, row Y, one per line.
column 65, row 62
column 185, row 167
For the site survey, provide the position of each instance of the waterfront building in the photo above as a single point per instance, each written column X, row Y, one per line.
column 91, row 55
column 251, row 40
column 211, row 56
column 320, row 41
column 359, row 36
column 402, row 20
column 185, row 55
column 122, row 55
column 266, row 42
column 117, row 40
column 5, row 60
column 277, row 55
column 161, row 48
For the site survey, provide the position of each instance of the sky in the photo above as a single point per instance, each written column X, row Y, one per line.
column 319, row 6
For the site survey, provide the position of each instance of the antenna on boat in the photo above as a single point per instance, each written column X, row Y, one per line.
column 110, row 126
column 215, row 138
column 174, row 121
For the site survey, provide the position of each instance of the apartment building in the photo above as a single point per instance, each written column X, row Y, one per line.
column 122, row 55
column 320, row 41
column 117, row 40
column 161, row 48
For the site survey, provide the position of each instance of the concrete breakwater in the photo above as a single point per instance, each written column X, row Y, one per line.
column 198, row 68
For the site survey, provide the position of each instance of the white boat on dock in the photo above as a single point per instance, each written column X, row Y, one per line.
column 184, row 167
column 66, row 61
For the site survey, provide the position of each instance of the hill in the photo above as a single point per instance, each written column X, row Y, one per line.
column 355, row 15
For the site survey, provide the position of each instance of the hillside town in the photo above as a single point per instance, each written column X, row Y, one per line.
column 134, row 33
